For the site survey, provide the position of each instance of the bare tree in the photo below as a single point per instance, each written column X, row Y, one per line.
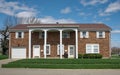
column 12, row 21
column 33, row 20
column 9, row 22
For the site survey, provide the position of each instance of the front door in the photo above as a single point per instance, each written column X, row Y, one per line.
column 71, row 51
column 36, row 51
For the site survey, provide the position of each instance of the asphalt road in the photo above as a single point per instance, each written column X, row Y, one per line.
column 23, row 71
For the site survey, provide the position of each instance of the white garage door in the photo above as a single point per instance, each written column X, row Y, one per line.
column 18, row 53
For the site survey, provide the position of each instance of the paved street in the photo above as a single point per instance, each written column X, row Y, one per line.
column 23, row 71
column 27, row 71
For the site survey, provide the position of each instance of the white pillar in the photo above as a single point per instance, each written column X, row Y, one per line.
column 29, row 43
column 76, row 41
column 45, row 42
column 60, row 44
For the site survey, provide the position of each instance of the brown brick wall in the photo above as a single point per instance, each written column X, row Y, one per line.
column 19, row 42
column 103, row 43
column 54, row 39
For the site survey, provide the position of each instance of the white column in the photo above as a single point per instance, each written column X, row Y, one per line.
column 76, row 41
column 29, row 43
column 45, row 42
column 60, row 44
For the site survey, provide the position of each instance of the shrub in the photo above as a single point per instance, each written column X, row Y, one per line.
column 80, row 56
column 92, row 56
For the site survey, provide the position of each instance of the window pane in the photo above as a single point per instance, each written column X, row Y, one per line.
column 71, row 51
column 66, row 35
column 84, row 34
column 41, row 35
column 19, row 34
column 89, row 49
column 100, row 34
column 47, row 49
column 95, row 49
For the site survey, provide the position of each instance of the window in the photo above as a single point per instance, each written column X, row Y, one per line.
column 100, row 34
column 58, row 49
column 66, row 35
column 48, row 49
column 92, row 48
column 41, row 34
column 19, row 34
column 84, row 34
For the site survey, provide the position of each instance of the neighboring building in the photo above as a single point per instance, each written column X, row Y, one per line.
column 53, row 40
column 0, row 44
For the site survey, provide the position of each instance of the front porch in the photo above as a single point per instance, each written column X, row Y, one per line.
column 53, row 43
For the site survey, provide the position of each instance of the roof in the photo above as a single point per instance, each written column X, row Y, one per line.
column 79, row 26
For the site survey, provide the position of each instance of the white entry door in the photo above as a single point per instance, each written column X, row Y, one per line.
column 36, row 51
column 71, row 51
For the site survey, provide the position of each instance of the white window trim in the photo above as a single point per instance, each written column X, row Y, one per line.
column 81, row 34
column 49, row 49
column 92, row 49
column 97, row 34
column 58, row 49
column 22, row 34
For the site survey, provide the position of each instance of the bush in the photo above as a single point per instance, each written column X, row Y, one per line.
column 92, row 56
column 80, row 56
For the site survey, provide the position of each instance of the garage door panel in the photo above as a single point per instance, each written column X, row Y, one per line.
column 18, row 52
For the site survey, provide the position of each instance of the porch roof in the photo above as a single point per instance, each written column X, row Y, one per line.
column 79, row 26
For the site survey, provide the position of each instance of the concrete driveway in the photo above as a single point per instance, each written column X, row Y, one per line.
column 5, row 61
column 27, row 71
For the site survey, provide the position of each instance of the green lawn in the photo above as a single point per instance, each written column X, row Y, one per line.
column 115, row 56
column 65, row 63
column 3, row 57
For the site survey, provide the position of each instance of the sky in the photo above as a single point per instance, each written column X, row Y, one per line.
column 67, row 11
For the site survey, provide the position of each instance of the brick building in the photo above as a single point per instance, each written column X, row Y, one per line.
column 53, row 40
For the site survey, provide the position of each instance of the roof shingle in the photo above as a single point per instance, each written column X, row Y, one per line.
column 80, row 26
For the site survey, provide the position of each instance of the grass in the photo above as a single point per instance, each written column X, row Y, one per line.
column 115, row 56
column 3, row 57
column 65, row 63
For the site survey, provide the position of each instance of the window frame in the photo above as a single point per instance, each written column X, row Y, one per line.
column 100, row 34
column 84, row 36
column 17, row 35
column 66, row 35
column 92, row 50
column 49, row 49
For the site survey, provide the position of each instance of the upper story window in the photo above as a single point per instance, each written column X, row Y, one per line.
column 19, row 34
column 84, row 34
column 100, row 34
column 92, row 48
column 41, row 34
column 66, row 35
